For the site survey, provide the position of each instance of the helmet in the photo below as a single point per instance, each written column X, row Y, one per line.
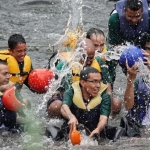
column 11, row 100
column 75, row 136
column 39, row 79
column 132, row 54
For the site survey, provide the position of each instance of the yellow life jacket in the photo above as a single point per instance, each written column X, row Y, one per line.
column 78, row 100
column 13, row 66
column 76, row 71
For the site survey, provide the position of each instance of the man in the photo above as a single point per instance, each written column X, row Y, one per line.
column 98, row 38
column 55, row 103
column 128, row 21
column 136, row 96
column 7, row 117
column 87, row 102
column 19, row 63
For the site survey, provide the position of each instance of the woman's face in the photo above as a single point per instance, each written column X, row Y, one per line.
column 99, row 41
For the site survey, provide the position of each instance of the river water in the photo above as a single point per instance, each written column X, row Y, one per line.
column 43, row 23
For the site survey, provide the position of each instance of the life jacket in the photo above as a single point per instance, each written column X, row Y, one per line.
column 76, row 71
column 13, row 66
column 128, row 31
column 141, row 102
column 87, row 115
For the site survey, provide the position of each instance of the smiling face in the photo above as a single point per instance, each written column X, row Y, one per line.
column 133, row 17
column 19, row 52
column 99, row 41
column 91, row 86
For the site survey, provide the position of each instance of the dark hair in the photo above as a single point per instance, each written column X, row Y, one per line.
column 14, row 40
column 141, row 41
column 84, row 74
column 94, row 31
column 133, row 4
column 3, row 62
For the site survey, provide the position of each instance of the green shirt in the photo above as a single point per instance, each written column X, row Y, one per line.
column 114, row 35
column 105, row 106
column 106, row 77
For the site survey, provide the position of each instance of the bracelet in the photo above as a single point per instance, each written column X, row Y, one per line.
column 129, row 81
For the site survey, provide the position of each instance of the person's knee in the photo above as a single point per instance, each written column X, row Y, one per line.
column 54, row 109
column 116, row 106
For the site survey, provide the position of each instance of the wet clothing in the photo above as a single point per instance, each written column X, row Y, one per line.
column 67, row 80
column 102, row 108
column 141, row 103
column 111, row 65
column 7, row 117
column 118, row 33
column 18, row 70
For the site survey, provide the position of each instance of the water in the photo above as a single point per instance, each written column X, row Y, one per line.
column 43, row 23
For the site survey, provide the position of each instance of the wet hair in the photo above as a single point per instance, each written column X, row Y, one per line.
column 3, row 62
column 133, row 5
column 14, row 40
column 141, row 41
column 94, row 31
column 84, row 74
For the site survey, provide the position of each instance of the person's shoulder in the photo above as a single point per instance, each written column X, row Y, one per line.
column 114, row 17
column 105, row 96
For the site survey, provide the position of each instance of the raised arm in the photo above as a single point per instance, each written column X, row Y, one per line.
column 129, row 92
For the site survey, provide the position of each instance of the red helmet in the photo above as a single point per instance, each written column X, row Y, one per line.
column 75, row 137
column 11, row 100
column 39, row 79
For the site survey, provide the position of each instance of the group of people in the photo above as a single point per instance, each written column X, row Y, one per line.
column 86, row 95
column 128, row 23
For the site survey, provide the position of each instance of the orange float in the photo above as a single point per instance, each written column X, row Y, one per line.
column 11, row 99
column 39, row 79
column 75, row 136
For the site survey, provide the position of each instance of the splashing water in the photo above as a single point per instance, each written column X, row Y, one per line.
column 144, row 72
column 114, row 53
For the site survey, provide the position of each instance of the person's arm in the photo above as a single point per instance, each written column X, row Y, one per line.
column 65, row 108
column 129, row 92
column 105, row 108
column 114, row 35
column 101, row 125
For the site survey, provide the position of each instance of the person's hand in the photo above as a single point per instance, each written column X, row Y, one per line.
column 96, row 131
column 147, row 58
column 131, row 72
column 6, row 86
column 72, row 122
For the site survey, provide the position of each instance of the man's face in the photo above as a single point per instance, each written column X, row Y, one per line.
column 133, row 17
column 4, row 74
column 99, row 41
column 19, row 52
column 92, row 85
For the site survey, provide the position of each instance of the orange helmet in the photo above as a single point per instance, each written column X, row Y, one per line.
column 11, row 100
column 75, row 137
column 39, row 79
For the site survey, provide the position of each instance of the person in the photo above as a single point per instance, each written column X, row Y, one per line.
column 55, row 102
column 143, row 41
column 98, row 38
column 7, row 117
column 136, row 97
column 128, row 21
column 87, row 105
column 87, row 102
column 19, row 63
